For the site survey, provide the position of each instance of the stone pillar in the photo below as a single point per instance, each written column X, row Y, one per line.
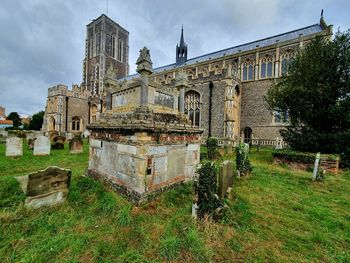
column 108, row 100
column 144, row 68
column 181, row 83
column 256, row 77
column 277, row 58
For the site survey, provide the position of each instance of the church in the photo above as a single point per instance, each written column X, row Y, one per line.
column 225, row 96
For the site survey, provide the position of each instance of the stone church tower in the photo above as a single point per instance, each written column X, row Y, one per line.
column 107, row 45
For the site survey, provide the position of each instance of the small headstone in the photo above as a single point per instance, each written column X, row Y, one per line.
column 194, row 210
column 30, row 136
column 3, row 133
column 76, row 145
column 31, row 143
column 14, row 146
column 45, row 187
column 86, row 134
column 225, row 178
column 42, row 146
column 69, row 136
column 279, row 144
column 317, row 162
column 58, row 142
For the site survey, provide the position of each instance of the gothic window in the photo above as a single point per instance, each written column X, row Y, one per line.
column 248, row 70
column 120, row 50
column 280, row 117
column 98, row 43
column 287, row 59
column 113, row 47
column 75, row 123
column 237, row 91
column 247, row 134
column 109, row 45
column 192, row 107
column 266, row 68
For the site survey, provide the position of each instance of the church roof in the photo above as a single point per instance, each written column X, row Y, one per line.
column 305, row 31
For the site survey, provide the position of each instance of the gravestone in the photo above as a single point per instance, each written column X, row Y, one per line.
column 31, row 143
column 30, row 136
column 45, row 187
column 14, row 147
column 76, row 145
column 279, row 144
column 69, row 136
column 225, row 178
column 42, row 146
column 58, row 142
column 86, row 134
column 3, row 133
column 316, row 166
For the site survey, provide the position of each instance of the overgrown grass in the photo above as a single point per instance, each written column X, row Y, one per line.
column 276, row 215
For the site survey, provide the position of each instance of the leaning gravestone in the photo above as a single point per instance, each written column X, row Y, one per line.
column 14, row 146
column 42, row 146
column 45, row 187
column 76, row 145
column 225, row 178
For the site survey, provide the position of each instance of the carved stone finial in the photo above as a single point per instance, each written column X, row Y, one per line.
column 144, row 62
column 181, row 79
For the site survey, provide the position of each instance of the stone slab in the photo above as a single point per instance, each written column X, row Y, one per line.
column 42, row 146
column 14, row 147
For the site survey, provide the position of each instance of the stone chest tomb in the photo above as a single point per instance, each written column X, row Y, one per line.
column 143, row 143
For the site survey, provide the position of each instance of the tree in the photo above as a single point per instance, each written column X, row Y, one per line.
column 37, row 121
column 315, row 95
column 15, row 118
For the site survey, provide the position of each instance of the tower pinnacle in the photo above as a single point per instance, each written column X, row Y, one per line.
column 181, row 50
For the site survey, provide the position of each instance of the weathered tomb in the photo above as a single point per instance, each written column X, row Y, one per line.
column 143, row 143
column 76, row 145
column 42, row 146
column 58, row 142
column 14, row 146
column 45, row 187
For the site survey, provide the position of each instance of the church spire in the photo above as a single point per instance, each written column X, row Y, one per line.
column 181, row 50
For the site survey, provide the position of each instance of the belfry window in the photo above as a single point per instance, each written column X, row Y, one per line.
column 192, row 107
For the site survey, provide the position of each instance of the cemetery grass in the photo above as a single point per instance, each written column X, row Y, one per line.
column 276, row 215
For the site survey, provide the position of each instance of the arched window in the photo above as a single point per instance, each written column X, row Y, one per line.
column 286, row 60
column 248, row 70
column 192, row 107
column 266, row 68
column 247, row 134
column 75, row 123
column 93, row 113
column 52, row 124
column 237, row 91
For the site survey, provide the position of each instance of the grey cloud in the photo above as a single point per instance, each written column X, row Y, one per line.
column 42, row 41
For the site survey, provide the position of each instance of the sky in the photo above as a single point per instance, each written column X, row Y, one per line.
column 42, row 42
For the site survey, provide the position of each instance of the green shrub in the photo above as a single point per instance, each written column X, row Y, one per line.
column 212, row 146
column 243, row 165
column 205, row 188
column 301, row 157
